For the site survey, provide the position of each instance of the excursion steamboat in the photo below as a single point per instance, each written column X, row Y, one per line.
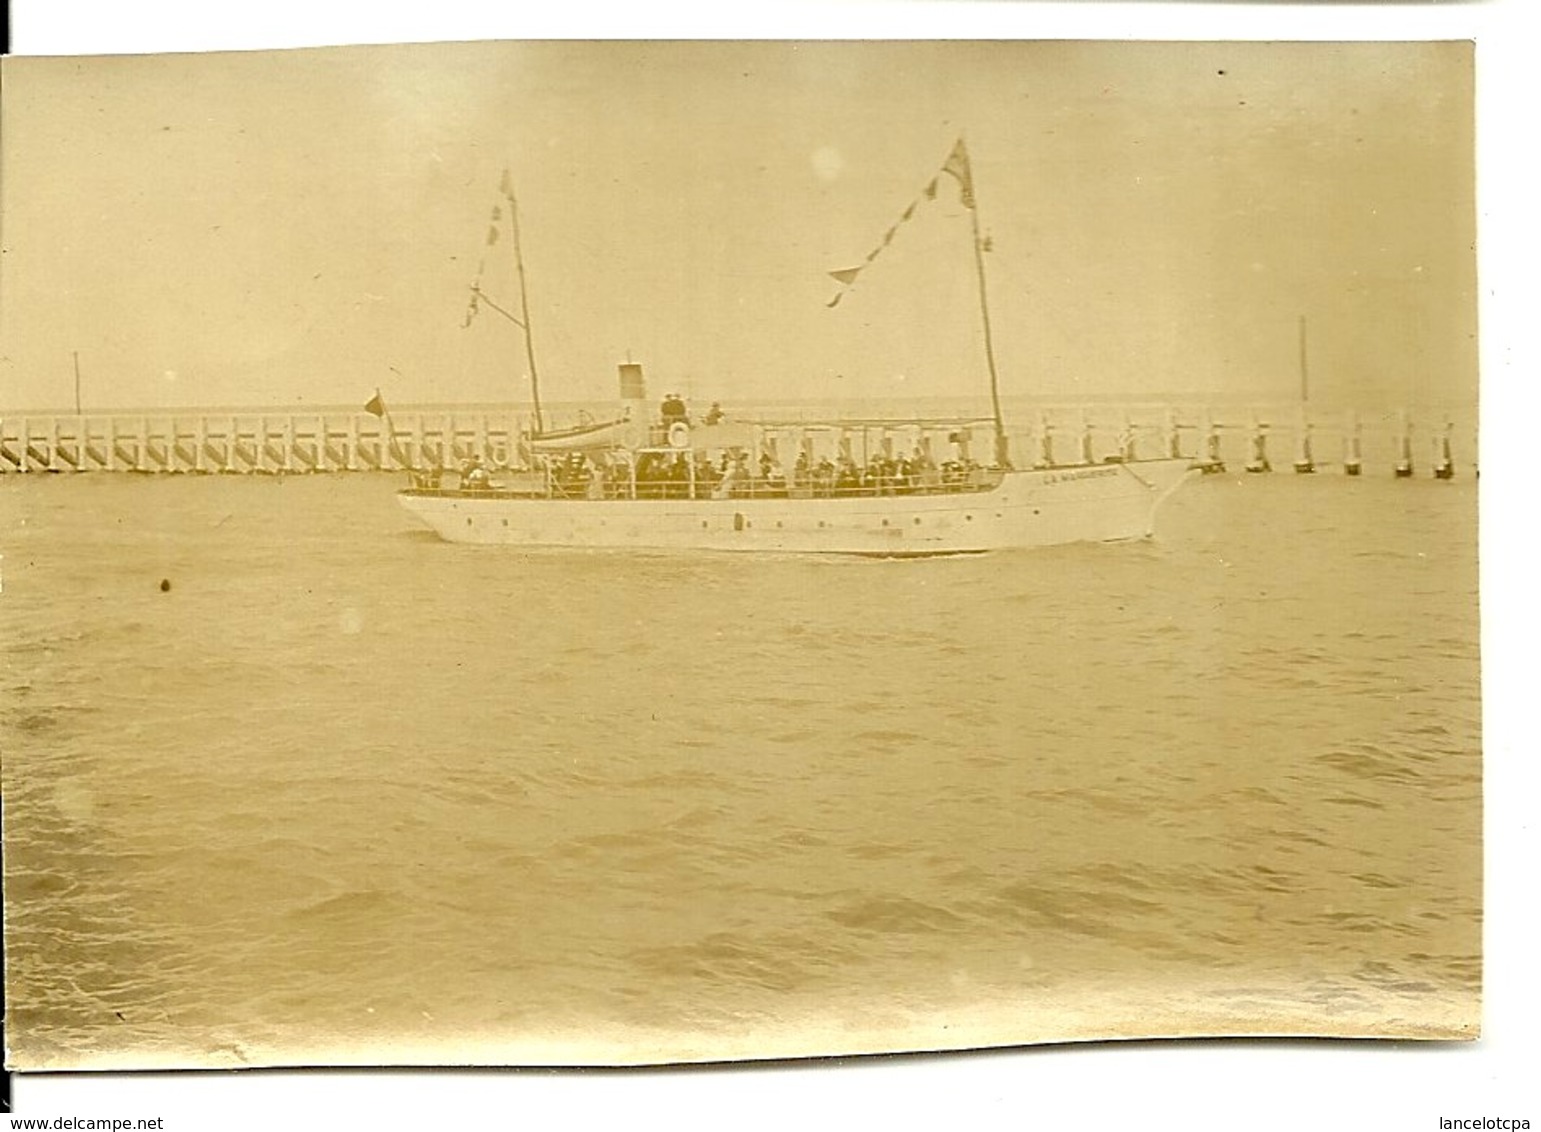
column 891, row 488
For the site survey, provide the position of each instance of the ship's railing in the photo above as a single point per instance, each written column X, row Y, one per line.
column 553, row 485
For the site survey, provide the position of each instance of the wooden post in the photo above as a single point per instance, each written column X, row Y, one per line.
column 1259, row 462
column 1304, row 464
column 1353, row 462
column 1213, row 450
column 1404, row 465
column 1444, row 461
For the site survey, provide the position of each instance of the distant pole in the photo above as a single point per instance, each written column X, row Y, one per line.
column 1305, row 385
column 77, row 382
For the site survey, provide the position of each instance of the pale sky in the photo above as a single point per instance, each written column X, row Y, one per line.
column 296, row 228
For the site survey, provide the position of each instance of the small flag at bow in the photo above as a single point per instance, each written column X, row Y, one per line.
column 376, row 406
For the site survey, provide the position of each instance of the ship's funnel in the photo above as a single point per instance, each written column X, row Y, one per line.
column 633, row 387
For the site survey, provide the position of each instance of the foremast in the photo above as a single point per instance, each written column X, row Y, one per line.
column 522, row 319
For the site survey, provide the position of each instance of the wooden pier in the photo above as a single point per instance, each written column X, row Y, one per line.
column 254, row 443
column 268, row 443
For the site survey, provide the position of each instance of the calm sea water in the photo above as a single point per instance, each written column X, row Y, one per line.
column 346, row 793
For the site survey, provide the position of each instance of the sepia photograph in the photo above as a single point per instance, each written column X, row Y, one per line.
column 535, row 553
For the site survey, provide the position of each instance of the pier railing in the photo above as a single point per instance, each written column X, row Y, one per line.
column 298, row 443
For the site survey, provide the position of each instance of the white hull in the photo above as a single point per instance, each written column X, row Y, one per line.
column 1046, row 507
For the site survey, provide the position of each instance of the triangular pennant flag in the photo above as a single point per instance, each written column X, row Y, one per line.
column 931, row 190
column 888, row 236
column 836, row 300
column 376, row 405
column 957, row 165
column 847, row 276
column 909, row 212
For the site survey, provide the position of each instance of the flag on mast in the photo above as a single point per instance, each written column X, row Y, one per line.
column 957, row 166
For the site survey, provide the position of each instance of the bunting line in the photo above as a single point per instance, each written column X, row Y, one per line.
column 955, row 166
column 494, row 233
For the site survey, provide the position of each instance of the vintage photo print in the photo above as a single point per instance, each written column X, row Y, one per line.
column 652, row 552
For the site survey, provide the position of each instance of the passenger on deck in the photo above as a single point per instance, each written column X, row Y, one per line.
column 573, row 476
column 673, row 409
column 715, row 414
column 824, row 477
column 474, row 476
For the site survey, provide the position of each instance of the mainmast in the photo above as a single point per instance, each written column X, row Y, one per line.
column 958, row 166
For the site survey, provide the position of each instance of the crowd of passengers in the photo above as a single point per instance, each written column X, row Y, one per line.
column 681, row 475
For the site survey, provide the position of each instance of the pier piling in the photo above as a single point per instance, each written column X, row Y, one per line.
column 279, row 443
